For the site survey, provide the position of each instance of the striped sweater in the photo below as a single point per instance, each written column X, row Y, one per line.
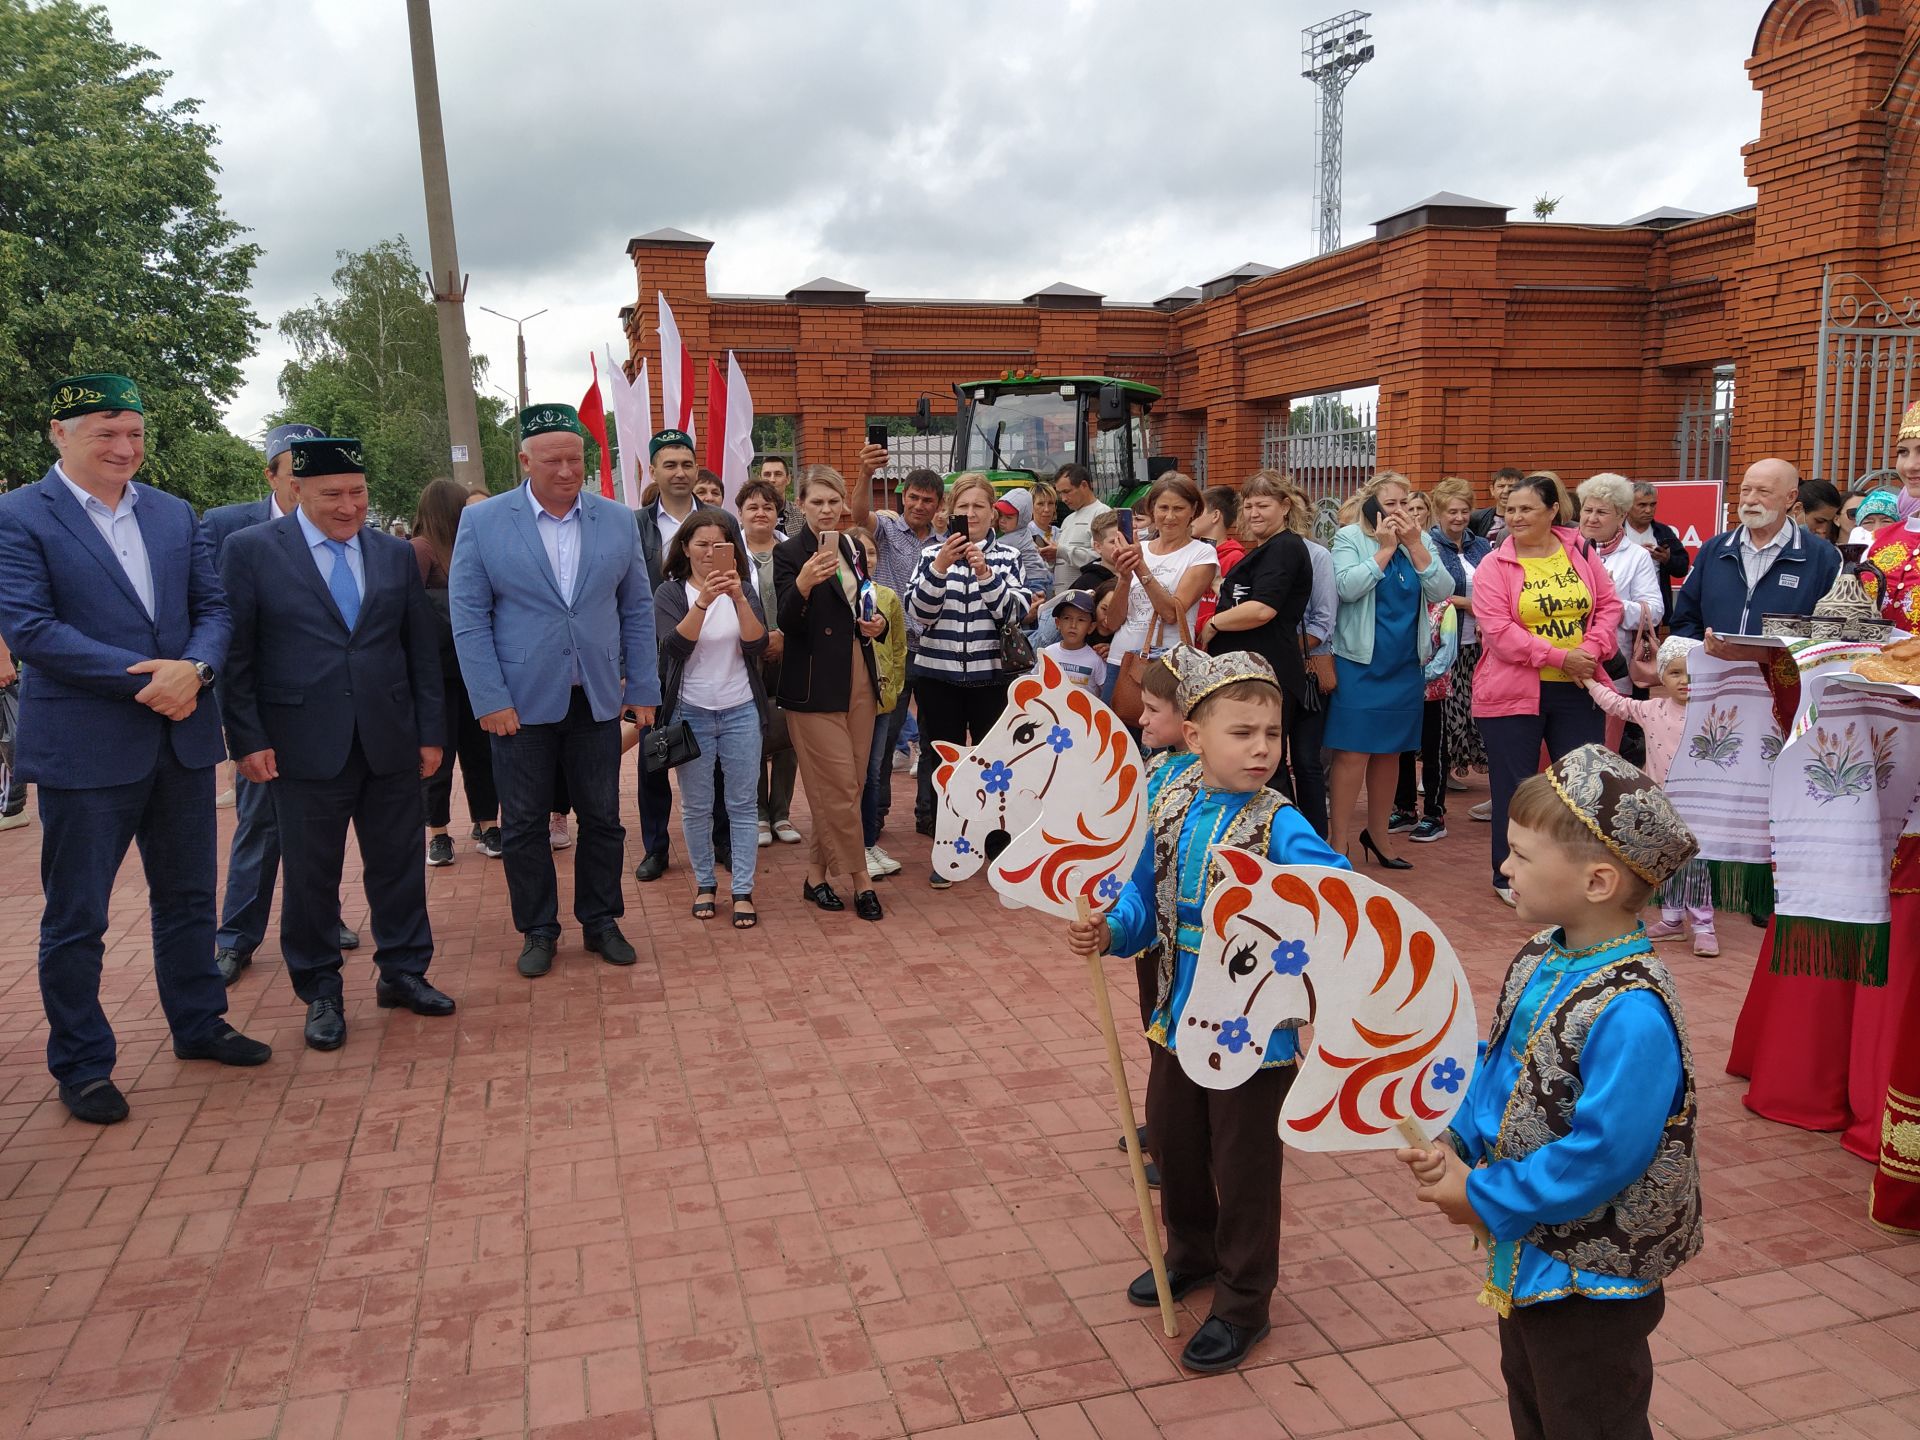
column 959, row 616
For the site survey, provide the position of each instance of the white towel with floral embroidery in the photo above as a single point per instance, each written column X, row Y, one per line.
column 1722, row 778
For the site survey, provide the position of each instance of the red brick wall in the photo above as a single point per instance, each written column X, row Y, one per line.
column 1558, row 345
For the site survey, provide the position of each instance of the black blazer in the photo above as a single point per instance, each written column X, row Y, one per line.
column 816, row 672
column 298, row 683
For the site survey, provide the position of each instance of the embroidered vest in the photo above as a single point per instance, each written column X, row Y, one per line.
column 1646, row 1231
column 1251, row 830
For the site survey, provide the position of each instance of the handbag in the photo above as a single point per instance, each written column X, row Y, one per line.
column 1127, row 695
column 669, row 746
column 1016, row 650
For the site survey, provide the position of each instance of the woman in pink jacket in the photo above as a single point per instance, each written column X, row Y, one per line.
column 1548, row 620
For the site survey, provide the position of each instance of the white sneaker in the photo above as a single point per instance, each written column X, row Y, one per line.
column 903, row 760
column 786, row 834
column 766, row 836
column 558, row 836
column 1483, row 812
column 15, row 820
column 1505, row 896
column 881, row 863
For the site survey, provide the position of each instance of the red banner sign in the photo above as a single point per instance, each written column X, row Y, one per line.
column 1696, row 509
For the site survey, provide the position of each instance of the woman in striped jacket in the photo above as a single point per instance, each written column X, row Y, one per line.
column 965, row 587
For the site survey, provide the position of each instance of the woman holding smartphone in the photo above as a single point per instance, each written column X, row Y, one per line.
column 965, row 588
column 712, row 632
column 829, row 686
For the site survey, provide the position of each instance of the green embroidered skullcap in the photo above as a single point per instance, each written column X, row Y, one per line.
column 666, row 440
column 84, row 394
column 548, row 419
column 327, row 455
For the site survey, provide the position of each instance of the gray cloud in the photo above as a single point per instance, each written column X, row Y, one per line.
column 1129, row 146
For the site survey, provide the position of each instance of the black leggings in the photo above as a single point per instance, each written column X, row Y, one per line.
column 1433, row 764
column 957, row 714
column 471, row 744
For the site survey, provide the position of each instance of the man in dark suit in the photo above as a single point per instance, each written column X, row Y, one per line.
column 673, row 469
column 331, row 688
column 109, row 600
column 253, row 861
column 553, row 622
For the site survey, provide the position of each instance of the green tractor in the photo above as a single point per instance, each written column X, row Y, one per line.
column 1021, row 428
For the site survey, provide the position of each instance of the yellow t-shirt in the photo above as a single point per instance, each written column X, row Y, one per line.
column 1554, row 604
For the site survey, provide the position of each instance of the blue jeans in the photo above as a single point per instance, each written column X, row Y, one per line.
column 879, row 790
column 731, row 737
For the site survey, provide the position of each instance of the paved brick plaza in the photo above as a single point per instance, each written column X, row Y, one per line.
column 828, row 1179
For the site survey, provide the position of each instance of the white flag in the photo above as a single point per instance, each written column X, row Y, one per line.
column 676, row 374
column 632, row 415
column 738, row 455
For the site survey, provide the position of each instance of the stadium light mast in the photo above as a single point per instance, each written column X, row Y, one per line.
column 1330, row 53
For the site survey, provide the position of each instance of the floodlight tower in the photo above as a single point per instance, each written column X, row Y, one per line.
column 1330, row 53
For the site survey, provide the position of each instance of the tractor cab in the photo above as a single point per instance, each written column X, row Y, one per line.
column 1021, row 428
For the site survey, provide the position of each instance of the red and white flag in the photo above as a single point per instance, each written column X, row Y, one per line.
column 716, row 416
column 593, row 415
column 738, row 459
column 633, row 415
column 676, row 374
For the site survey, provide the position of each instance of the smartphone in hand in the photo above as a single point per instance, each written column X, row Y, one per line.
column 830, row 541
column 877, row 435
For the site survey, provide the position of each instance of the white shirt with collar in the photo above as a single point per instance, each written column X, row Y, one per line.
column 1757, row 560
column 668, row 524
column 324, row 559
column 561, row 539
column 121, row 530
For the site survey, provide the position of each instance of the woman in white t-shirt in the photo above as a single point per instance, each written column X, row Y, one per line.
column 712, row 632
column 1161, row 580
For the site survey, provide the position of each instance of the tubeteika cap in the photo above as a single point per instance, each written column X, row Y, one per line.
column 666, row 440
column 1910, row 423
column 85, row 394
column 281, row 437
column 327, row 455
column 1199, row 674
column 550, row 419
column 1626, row 811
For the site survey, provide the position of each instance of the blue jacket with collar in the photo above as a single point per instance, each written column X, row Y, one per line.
column 1716, row 597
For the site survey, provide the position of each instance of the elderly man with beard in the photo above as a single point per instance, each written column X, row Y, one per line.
column 1765, row 565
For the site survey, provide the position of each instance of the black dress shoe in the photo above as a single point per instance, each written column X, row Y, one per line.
column 1180, row 1282
column 230, row 962
column 536, row 956
column 923, row 827
column 349, row 939
column 326, row 1025
column 411, row 992
column 821, row 895
column 652, row 867
column 611, row 946
column 1220, row 1345
column 98, row 1102
column 866, row 904
column 228, row 1046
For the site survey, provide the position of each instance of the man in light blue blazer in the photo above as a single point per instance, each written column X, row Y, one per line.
column 553, row 623
column 253, row 859
column 109, row 600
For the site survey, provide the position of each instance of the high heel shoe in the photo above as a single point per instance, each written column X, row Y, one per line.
column 1385, row 862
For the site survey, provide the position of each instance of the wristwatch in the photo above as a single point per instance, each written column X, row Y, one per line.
column 205, row 672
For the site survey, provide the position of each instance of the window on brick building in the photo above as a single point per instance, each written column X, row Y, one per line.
column 1702, row 439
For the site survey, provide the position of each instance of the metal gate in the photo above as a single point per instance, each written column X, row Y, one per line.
column 1869, row 346
column 1329, row 446
column 1702, row 439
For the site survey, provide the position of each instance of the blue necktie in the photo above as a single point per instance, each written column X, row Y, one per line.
column 340, row 583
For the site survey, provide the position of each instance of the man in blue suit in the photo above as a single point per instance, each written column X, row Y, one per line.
column 109, row 599
column 553, row 623
column 331, row 689
column 253, row 860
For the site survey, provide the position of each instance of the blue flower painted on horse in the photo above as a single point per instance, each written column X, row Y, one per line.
column 962, row 846
column 997, row 778
column 1109, row 887
column 1234, row 1035
column 1061, row 739
column 1290, row 957
column 1447, row 1075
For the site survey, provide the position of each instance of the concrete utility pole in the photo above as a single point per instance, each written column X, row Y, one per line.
column 449, row 285
column 520, row 344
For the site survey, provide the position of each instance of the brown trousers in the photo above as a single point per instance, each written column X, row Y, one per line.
column 832, row 750
column 1580, row 1369
column 1219, row 1158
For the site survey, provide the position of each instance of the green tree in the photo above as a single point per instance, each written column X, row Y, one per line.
column 1545, row 205
column 367, row 364
column 114, row 251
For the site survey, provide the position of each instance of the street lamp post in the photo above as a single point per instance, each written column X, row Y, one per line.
column 519, row 343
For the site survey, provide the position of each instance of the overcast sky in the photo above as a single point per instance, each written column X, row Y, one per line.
column 987, row 149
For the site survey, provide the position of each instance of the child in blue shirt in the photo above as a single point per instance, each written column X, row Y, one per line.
column 1218, row 1151
column 1572, row 1155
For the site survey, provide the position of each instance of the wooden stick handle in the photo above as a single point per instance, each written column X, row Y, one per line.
column 1123, row 1107
column 1414, row 1133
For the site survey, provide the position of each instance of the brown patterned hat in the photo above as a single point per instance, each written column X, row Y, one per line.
column 1199, row 674
column 1626, row 810
column 1910, row 423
